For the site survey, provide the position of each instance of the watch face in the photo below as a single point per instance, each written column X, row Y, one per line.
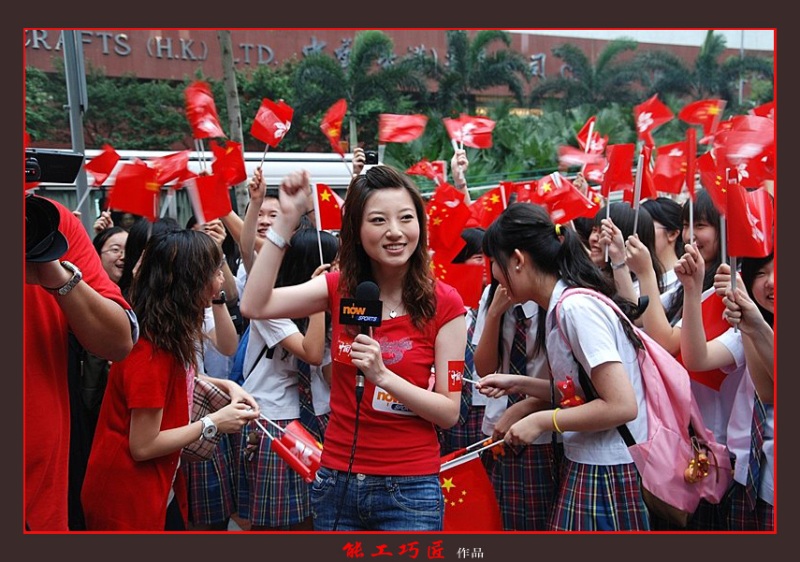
column 209, row 429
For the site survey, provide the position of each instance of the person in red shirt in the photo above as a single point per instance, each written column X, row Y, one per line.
column 66, row 289
column 380, row 463
column 132, row 480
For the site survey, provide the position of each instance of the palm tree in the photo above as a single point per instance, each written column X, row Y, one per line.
column 372, row 82
column 609, row 80
column 471, row 68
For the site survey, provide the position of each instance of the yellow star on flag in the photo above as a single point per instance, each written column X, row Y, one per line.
column 325, row 196
column 447, row 484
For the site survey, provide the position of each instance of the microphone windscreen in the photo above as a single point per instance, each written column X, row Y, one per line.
column 367, row 291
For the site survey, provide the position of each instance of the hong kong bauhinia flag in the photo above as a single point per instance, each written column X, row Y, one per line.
column 475, row 132
column 272, row 122
column 400, row 128
column 331, row 125
column 101, row 166
column 750, row 216
column 597, row 144
column 201, row 111
column 650, row 115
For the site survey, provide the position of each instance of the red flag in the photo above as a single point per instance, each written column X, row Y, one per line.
column 475, row 132
column 228, row 165
column 466, row 278
column 524, row 190
column 571, row 156
column 171, row 167
column 135, row 190
column 272, row 122
column 750, row 216
column 563, row 200
column 715, row 325
column 423, row 168
column 669, row 173
column 470, row 500
column 648, row 116
column 201, row 111
column 707, row 113
column 303, row 447
column 618, row 174
column 331, row 125
column 101, row 166
column 648, row 185
column 447, row 216
column 488, row 207
column 400, row 128
column 766, row 110
column 597, row 143
column 209, row 197
column 748, row 145
column 596, row 173
column 713, row 179
column 328, row 209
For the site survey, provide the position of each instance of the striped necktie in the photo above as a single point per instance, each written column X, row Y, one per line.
column 469, row 366
column 756, row 452
column 307, row 416
column 518, row 359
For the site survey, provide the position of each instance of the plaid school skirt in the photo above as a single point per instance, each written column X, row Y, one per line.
column 741, row 518
column 463, row 435
column 211, row 485
column 271, row 493
column 524, row 481
column 599, row 498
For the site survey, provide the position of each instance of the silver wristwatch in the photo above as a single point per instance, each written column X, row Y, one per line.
column 209, row 428
column 77, row 275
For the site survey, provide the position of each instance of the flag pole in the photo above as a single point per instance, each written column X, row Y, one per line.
column 637, row 190
column 264, row 156
column 381, row 152
column 317, row 220
column 588, row 144
column 167, row 200
column 349, row 169
column 82, row 199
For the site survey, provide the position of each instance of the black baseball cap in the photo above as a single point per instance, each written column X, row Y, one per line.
column 43, row 241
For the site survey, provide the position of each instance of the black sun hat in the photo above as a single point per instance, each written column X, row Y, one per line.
column 43, row 241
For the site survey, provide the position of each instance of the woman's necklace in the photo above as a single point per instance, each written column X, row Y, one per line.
column 393, row 309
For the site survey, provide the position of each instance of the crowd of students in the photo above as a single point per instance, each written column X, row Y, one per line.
column 267, row 288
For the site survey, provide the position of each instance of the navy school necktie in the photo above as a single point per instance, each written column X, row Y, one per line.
column 756, row 452
column 518, row 358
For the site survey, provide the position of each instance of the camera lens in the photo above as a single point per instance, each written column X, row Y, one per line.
column 371, row 157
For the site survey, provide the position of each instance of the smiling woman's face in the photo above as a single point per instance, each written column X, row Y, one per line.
column 113, row 255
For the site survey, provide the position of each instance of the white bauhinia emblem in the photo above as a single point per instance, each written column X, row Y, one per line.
column 281, row 129
column 644, row 121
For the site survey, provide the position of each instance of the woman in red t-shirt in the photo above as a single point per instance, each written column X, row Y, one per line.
column 383, row 433
column 130, row 481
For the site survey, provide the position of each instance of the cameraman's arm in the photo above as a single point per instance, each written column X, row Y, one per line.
column 101, row 325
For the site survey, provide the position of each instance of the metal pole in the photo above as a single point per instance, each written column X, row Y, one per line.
column 741, row 80
column 77, row 103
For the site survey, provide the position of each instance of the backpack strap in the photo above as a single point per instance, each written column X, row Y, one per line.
column 270, row 351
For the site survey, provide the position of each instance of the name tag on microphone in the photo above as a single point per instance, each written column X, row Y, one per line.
column 382, row 401
column 360, row 312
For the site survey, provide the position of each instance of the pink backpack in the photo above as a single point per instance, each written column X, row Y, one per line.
column 680, row 463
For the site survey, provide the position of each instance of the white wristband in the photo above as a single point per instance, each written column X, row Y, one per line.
column 616, row 266
column 276, row 239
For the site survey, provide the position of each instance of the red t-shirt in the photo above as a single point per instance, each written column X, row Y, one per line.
column 47, row 419
column 118, row 492
column 388, row 443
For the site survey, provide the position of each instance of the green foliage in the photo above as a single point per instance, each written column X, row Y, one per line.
column 45, row 98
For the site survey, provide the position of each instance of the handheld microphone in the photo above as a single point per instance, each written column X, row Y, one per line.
column 365, row 310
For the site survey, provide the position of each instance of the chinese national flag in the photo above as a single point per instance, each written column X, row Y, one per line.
column 618, row 175
column 423, row 168
column 597, row 144
column 750, row 215
column 466, row 278
column 648, row 184
column 209, row 197
column 563, row 200
column 228, row 164
column 171, row 167
column 488, row 207
column 470, row 500
column 447, row 217
column 135, row 190
column 328, row 208
column 648, row 116
column 707, row 113
column 475, row 132
column 713, row 179
column 400, row 128
column 201, row 111
column 272, row 122
column 524, row 190
column 331, row 125
column 101, row 166
column 669, row 173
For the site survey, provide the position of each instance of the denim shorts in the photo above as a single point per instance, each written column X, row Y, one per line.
column 376, row 503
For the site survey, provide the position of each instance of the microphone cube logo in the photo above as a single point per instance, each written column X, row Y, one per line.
column 455, row 374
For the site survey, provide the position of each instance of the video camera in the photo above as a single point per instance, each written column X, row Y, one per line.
column 43, row 241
